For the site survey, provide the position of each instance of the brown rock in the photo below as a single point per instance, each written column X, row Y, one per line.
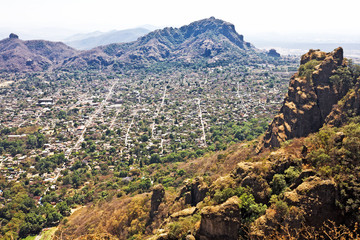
column 317, row 198
column 311, row 203
column 348, row 107
column 221, row 221
column 260, row 189
column 157, row 198
column 184, row 213
column 308, row 101
column 194, row 192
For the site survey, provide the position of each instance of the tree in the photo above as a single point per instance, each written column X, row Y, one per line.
column 155, row 158
column 278, row 183
column 63, row 208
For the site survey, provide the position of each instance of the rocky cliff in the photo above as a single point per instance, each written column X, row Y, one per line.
column 311, row 96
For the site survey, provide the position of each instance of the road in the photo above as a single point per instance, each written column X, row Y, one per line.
column 202, row 123
column 157, row 112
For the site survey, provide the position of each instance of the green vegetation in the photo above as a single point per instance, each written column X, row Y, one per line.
column 306, row 70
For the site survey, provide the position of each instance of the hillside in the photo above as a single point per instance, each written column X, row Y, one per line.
column 34, row 55
column 208, row 40
column 305, row 189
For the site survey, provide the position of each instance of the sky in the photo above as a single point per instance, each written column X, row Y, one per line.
column 55, row 19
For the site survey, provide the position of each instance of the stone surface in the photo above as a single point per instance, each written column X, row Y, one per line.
column 311, row 203
column 348, row 107
column 158, row 196
column 194, row 192
column 221, row 221
column 184, row 213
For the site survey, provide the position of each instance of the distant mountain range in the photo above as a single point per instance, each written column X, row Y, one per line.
column 90, row 40
column 209, row 40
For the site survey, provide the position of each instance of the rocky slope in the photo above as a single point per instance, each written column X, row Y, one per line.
column 208, row 39
column 313, row 92
column 35, row 55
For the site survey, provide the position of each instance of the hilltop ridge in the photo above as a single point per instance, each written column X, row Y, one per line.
column 32, row 55
column 209, row 40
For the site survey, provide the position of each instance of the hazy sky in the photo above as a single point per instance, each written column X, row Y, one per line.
column 251, row 17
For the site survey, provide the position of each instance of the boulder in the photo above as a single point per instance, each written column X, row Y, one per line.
column 184, row 213
column 221, row 221
column 260, row 189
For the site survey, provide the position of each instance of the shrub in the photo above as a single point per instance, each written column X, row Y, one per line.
column 278, row 184
column 291, row 174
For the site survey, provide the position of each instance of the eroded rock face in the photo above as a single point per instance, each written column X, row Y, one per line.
column 317, row 198
column 349, row 106
column 194, row 192
column 221, row 221
column 311, row 203
column 309, row 100
column 157, row 198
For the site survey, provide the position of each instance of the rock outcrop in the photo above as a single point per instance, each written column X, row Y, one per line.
column 310, row 98
column 312, row 203
column 221, row 221
column 317, row 198
column 348, row 107
column 158, row 196
column 194, row 192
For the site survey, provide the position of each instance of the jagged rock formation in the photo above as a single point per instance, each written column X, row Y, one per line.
column 194, row 192
column 313, row 202
column 221, row 221
column 310, row 98
column 158, row 196
column 211, row 39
